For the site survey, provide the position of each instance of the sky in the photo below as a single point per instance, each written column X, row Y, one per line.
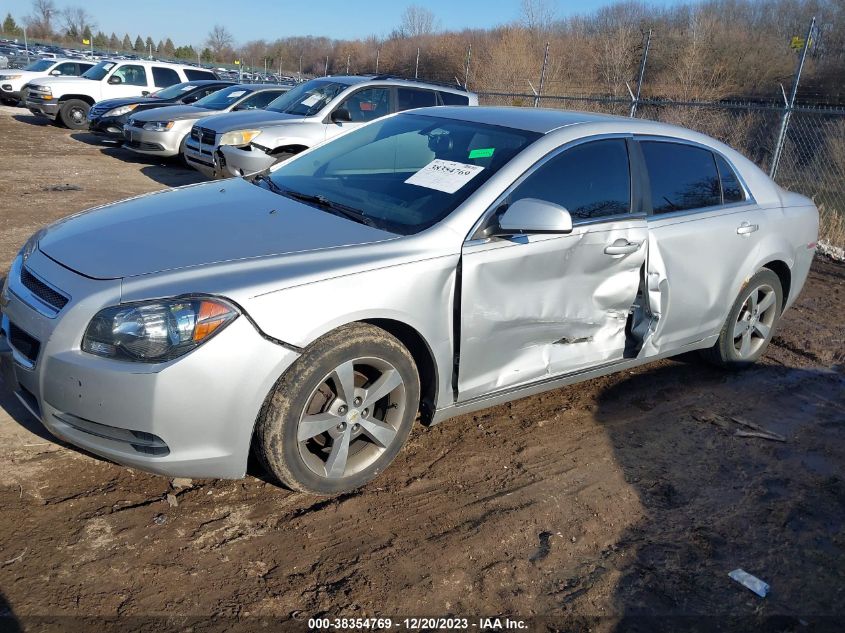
column 188, row 21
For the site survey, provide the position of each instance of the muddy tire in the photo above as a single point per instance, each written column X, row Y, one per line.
column 341, row 413
column 73, row 114
column 750, row 324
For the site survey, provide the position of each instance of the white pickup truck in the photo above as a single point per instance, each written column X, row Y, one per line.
column 12, row 81
column 68, row 99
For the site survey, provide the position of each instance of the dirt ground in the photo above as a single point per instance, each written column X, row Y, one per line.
column 615, row 504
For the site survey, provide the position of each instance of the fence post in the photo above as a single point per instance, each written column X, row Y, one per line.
column 417, row 66
column 636, row 101
column 789, row 105
column 347, row 64
column 466, row 67
column 326, row 72
column 542, row 76
column 378, row 54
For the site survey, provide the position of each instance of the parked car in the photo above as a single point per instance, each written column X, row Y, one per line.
column 68, row 99
column 245, row 143
column 434, row 262
column 108, row 117
column 12, row 83
column 163, row 131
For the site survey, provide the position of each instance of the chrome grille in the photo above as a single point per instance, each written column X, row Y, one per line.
column 48, row 295
column 203, row 135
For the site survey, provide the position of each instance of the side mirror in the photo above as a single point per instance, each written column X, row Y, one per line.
column 114, row 80
column 341, row 115
column 56, row 73
column 529, row 215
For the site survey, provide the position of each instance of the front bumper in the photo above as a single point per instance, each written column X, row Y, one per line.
column 201, row 157
column 152, row 143
column 243, row 161
column 190, row 417
column 111, row 126
column 39, row 106
column 8, row 92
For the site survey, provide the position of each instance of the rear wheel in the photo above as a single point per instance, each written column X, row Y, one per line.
column 341, row 413
column 74, row 113
column 750, row 324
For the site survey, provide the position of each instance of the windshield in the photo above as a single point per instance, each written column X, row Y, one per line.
column 403, row 173
column 99, row 71
column 222, row 98
column 41, row 65
column 172, row 92
column 308, row 98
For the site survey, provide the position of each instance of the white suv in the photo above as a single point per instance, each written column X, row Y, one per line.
column 68, row 99
column 12, row 81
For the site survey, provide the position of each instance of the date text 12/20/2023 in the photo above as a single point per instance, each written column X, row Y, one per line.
column 412, row 624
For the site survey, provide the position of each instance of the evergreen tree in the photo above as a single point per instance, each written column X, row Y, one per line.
column 207, row 55
column 10, row 27
column 159, row 47
column 114, row 43
column 101, row 40
column 169, row 48
column 139, row 45
column 127, row 43
column 86, row 33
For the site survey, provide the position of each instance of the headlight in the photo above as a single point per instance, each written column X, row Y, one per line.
column 156, row 331
column 121, row 110
column 31, row 244
column 42, row 89
column 239, row 137
column 158, row 126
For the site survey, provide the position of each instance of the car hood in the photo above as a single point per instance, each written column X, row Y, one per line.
column 221, row 123
column 201, row 224
column 122, row 101
column 65, row 81
column 173, row 113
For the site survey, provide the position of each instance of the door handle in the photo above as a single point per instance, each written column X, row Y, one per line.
column 622, row 247
column 746, row 229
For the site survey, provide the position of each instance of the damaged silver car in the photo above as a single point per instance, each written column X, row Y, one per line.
column 429, row 264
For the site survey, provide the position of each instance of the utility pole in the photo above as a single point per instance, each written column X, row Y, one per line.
column 790, row 104
column 300, row 68
column 326, row 72
column 25, row 45
column 417, row 67
column 347, row 64
column 378, row 54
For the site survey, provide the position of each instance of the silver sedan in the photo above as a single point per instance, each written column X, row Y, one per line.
column 429, row 264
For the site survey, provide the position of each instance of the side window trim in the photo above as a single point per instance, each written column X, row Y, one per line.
column 646, row 186
column 476, row 231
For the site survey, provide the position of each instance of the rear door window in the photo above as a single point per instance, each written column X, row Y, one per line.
column 163, row 77
column 194, row 75
column 67, row 68
column 591, row 180
column 682, row 177
column 452, row 99
column 410, row 98
column 732, row 191
column 259, row 100
column 368, row 104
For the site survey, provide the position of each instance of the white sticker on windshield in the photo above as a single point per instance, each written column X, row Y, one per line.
column 444, row 175
column 311, row 100
column 237, row 93
column 186, row 88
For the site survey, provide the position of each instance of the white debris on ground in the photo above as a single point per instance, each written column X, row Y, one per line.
column 834, row 252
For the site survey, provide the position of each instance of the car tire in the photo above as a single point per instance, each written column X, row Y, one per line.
column 73, row 114
column 750, row 323
column 313, row 436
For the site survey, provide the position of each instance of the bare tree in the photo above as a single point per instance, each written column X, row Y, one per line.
column 40, row 23
column 537, row 15
column 76, row 21
column 219, row 40
column 418, row 21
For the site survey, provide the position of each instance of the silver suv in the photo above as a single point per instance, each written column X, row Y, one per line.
column 244, row 143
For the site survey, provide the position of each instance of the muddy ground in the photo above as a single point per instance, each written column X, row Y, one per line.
column 609, row 505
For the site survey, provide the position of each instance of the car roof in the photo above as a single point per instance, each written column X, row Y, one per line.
column 399, row 81
column 155, row 62
column 259, row 87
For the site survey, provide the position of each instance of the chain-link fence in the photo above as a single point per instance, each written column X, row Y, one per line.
column 812, row 144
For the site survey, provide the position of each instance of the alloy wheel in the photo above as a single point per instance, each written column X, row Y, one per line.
column 755, row 320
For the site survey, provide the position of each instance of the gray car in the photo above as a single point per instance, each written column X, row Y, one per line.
column 311, row 113
column 163, row 131
column 429, row 264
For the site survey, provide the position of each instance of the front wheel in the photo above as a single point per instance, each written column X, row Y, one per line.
column 750, row 324
column 74, row 113
column 341, row 413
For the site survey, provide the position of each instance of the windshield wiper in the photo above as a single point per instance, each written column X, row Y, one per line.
column 350, row 213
